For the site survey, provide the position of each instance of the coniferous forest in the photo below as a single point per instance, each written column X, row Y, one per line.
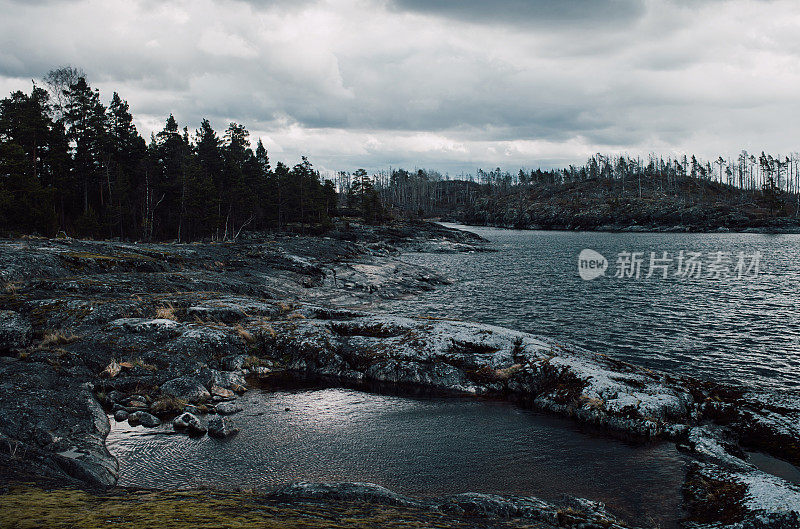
column 609, row 193
column 71, row 164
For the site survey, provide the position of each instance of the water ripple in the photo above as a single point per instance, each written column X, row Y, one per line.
column 414, row 446
column 741, row 332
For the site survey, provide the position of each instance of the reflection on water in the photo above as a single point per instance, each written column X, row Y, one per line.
column 744, row 332
column 775, row 466
column 413, row 446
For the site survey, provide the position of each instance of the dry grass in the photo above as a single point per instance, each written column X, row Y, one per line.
column 166, row 312
column 141, row 363
column 168, row 404
column 53, row 338
column 111, row 369
column 507, row 372
column 11, row 287
column 593, row 403
column 244, row 334
column 89, row 255
column 266, row 329
column 252, row 361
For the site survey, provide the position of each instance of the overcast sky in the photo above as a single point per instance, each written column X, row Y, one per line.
column 451, row 85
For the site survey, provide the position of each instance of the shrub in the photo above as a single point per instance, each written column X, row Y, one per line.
column 168, row 404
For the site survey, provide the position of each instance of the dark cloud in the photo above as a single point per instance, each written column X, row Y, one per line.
column 459, row 84
column 533, row 13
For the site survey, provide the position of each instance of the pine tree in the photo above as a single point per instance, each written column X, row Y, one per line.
column 84, row 117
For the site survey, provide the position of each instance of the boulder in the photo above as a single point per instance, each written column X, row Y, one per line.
column 224, row 379
column 234, row 362
column 121, row 415
column 222, row 393
column 189, row 422
column 220, row 427
column 145, row 419
column 228, row 408
column 186, row 388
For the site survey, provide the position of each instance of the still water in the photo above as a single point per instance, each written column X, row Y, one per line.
column 417, row 446
column 745, row 331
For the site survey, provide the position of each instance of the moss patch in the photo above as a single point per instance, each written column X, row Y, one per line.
column 28, row 507
column 713, row 500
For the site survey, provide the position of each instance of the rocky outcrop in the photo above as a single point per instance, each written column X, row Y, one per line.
column 52, row 419
column 145, row 419
column 572, row 513
column 227, row 408
column 710, row 422
column 158, row 331
column 479, row 359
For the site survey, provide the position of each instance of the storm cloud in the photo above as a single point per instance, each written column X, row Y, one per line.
column 531, row 13
column 451, row 85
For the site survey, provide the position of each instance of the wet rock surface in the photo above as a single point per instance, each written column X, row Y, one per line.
column 572, row 513
column 220, row 427
column 156, row 332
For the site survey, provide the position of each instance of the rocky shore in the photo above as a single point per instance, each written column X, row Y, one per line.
column 148, row 333
column 775, row 226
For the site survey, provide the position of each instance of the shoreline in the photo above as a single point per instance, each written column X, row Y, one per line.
column 155, row 331
column 635, row 228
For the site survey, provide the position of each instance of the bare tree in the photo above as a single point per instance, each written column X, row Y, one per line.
column 58, row 82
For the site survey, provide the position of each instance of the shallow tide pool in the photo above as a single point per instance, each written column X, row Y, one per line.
column 416, row 446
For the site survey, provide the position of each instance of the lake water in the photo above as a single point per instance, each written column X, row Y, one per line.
column 738, row 331
column 417, row 446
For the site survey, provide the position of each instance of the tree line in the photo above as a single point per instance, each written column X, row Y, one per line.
column 71, row 164
column 769, row 180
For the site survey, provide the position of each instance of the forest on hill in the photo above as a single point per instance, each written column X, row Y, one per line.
column 70, row 164
column 610, row 193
